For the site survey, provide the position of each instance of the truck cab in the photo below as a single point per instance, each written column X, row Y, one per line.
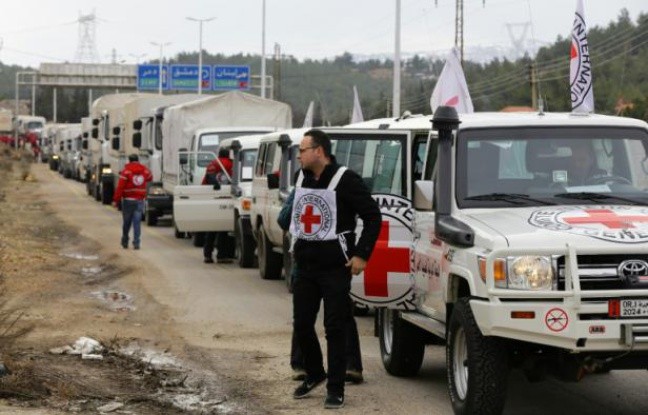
column 529, row 252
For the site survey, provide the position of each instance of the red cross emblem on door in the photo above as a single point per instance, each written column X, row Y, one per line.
column 309, row 218
column 384, row 259
column 606, row 218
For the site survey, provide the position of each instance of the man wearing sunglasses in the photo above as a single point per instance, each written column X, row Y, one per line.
column 328, row 200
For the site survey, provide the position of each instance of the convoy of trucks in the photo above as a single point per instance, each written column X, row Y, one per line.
column 493, row 244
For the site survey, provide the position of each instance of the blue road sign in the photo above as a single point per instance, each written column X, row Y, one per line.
column 148, row 77
column 185, row 77
column 231, row 77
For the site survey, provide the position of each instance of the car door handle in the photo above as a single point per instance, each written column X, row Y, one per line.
column 184, row 197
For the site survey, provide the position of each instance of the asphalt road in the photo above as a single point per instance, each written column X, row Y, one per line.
column 222, row 306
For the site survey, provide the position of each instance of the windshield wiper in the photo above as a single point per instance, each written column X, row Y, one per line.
column 514, row 198
column 598, row 197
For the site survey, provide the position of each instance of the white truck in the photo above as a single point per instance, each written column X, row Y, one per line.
column 530, row 251
column 191, row 134
column 244, row 152
column 102, row 177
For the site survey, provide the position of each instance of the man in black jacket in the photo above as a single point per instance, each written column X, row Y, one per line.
column 328, row 199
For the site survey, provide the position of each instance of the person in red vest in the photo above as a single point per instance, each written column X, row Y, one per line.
column 225, row 243
column 131, row 192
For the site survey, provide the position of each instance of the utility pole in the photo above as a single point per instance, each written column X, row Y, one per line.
column 161, row 45
column 263, row 57
column 277, row 72
column 459, row 29
column 397, row 63
column 200, row 48
column 534, row 86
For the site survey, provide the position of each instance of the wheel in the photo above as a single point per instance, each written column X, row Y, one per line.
column 477, row 365
column 287, row 261
column 106, row 194
column 198, row 239
column 269, row 261
column 97, row 193
column 244, row 246
column 151, row 218
column 401, row 344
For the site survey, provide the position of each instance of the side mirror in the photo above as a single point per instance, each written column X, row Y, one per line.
column 137, row 140
column 116, row 130
column 85, row 135
column 95, row 133
column 137, row 125
column 115, row 143
column 273, row 181
column 217, row 186
column 95, row 121
column 184, row 158
column 84, row 144
column 423, row 194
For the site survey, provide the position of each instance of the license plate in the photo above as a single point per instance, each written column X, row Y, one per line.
column 634, row 308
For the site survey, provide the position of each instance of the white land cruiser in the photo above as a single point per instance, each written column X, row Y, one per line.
column 530, row 251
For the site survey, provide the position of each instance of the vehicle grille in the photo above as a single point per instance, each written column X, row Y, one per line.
column 599, row 272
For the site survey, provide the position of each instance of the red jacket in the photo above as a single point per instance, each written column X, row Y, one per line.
column 214, row 167
column 132, row 182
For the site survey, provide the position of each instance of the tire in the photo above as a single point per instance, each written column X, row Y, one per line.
column 287, row 262
column 97, row 193
column 244, row 246
column 151, row 218
column 269, row 261
column 106, row 194
column 402, row 345
column 477, row 365
column 198, row 239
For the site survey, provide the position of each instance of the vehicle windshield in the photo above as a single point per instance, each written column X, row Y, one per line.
column 211, row 141
column 248, row 158
column 378, row 159
column 541, row 166
column 34, row 125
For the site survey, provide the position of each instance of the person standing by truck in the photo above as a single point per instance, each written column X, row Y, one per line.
column 214, row 175
column 131, row 192
column 328, row 199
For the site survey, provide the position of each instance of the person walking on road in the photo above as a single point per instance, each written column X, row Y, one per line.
column 224, row 243
column 130, row 193
column 328, row 200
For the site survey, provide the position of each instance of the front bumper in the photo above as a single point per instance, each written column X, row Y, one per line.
column 573, row 319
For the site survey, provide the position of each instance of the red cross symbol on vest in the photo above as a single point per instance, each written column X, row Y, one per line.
column 308, row 218
column 606, row 218
column 384, row 259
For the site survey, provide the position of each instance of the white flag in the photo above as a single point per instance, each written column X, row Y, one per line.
column 451, row 88
column 580, row 66
column 356, row 116
column 308, row 119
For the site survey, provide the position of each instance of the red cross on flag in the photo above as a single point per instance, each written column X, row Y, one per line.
column 580, row 66
column 451, row 88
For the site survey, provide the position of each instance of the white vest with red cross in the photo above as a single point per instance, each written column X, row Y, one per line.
column 314, row 214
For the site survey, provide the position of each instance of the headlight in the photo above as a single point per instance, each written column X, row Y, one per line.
column 106, row 170
column 55, row 157
column 156, row 191
column 533, row 273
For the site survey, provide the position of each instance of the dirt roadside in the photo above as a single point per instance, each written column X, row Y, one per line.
column 65, row 287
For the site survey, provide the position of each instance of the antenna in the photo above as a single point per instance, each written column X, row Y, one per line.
column 86, row 46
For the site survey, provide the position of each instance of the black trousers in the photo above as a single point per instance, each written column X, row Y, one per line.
column 353, row 354
column 224, row 245
column 332, row 288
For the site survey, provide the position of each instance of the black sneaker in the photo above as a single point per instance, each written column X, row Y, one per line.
column 136, row 247
column 307, row 387
column 124, row 245
column 299, row 374
column 333, row 401
column 209, row 260
column 354, row 376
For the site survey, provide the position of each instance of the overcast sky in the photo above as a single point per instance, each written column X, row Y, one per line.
column 35, row 31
